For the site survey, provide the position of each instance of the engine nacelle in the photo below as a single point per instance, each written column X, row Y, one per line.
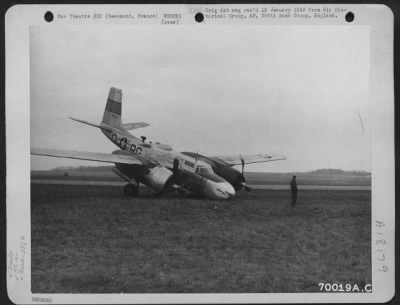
column 159, row 178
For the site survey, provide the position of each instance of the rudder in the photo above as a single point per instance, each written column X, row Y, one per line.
column 112, row 112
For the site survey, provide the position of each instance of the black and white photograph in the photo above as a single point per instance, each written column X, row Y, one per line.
column 204, row 157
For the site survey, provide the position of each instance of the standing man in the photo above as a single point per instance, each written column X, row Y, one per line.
column 293, row 189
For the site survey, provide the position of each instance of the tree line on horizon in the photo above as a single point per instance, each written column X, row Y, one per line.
column 321, row 171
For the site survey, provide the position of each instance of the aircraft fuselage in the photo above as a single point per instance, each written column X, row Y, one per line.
column 193, row 174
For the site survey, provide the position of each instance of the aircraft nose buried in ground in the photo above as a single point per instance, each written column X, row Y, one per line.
column 157, row 165
column 219, row 190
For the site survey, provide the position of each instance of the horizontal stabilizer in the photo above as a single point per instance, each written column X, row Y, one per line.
column 130, row 126
column 91, row 124
column 90, row 156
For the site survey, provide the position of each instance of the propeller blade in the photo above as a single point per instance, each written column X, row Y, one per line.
column 245, row 186
column 175, row 168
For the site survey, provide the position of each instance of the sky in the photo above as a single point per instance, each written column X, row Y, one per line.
column 300, row 91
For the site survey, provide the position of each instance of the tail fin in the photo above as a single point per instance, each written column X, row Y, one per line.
column 112, row 113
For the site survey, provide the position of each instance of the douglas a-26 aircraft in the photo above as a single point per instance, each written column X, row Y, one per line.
column 157, row 165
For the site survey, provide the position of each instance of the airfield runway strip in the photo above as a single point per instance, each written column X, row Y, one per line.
column 256, row 187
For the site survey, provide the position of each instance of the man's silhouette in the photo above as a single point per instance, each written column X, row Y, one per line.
column 293, row 189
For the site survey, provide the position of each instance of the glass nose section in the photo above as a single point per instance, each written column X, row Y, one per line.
column 222, row 190
column 229, row 190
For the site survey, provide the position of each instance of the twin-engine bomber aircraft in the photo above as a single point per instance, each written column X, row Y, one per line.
column 157, row 165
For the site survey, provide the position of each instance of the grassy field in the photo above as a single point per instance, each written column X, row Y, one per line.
column 90, row 239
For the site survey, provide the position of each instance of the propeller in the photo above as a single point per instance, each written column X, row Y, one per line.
column 176, row 177
column 178, row 183
column 175, row 168
column 244, row 184
column 196, row 159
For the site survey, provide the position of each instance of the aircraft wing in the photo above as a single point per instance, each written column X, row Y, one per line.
column 91, row 156
column 237, row 159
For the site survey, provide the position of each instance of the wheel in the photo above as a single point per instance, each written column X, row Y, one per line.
column 130, row 190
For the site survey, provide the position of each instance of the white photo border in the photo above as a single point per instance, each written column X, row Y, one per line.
column 18, row 20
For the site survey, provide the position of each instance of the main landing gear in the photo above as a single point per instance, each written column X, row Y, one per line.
column 131, row 190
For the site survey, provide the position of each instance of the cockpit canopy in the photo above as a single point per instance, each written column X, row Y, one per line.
column 203, row 169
